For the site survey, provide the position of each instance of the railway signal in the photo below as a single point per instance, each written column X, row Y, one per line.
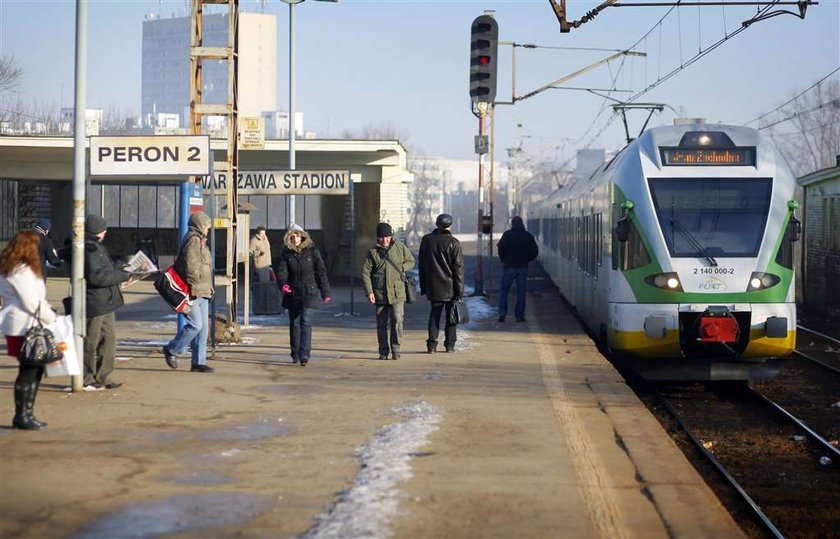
column 484, row 45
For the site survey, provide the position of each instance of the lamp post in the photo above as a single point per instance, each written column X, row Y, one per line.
column 292, row 4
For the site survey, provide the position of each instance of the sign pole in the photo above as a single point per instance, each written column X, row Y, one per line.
column 213, row 215
column 77, row 269
column 352, row 244
column 184, row 193
column 479, row 273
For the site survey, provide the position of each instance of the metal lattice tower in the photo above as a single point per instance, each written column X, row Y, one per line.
column 198, row 110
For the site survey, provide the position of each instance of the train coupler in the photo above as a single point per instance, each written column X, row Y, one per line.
column 717, row 324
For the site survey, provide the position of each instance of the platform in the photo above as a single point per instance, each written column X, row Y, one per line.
column 524, row 431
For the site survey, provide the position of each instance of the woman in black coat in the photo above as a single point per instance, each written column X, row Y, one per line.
column 302, row 277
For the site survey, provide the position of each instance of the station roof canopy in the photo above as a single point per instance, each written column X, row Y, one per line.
column 51, row 159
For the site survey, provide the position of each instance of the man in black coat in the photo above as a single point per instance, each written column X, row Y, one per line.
column 102, row 298
column 441, row 266
column 517, row 248
column 46, row 248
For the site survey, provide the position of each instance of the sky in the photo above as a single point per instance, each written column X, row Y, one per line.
column 405, row 65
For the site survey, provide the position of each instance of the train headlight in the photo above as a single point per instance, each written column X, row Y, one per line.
column 666, row 281
column 760, row 281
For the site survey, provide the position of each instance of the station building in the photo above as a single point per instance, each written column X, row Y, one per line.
column 820, row 270
column 36, row 181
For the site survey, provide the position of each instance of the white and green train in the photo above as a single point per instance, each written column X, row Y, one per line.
column 678, row 252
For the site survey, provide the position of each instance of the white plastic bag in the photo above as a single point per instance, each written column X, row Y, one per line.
column 69, row 365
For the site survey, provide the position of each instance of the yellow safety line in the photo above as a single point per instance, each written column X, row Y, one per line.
column 597, row 489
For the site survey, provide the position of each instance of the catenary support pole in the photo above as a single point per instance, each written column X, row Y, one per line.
column 77, row 269
column 479, row 271
column 292, row 215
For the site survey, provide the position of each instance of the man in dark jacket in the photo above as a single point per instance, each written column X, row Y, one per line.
column 102, row 298
column 441, row 279
column 46, row 248
column 517, row 248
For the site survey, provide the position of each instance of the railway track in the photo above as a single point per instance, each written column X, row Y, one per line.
column 772, row 466
column 822, row 349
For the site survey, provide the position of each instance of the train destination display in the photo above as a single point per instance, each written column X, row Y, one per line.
column 738, row 156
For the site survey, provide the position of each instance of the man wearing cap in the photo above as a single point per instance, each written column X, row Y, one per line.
column 45, row 247
column 441, row 279
column 102, row 298
column 383, row 276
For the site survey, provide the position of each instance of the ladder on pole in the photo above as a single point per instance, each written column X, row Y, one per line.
column 229, row 110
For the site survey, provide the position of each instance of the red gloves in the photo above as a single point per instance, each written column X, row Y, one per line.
column 286, row 289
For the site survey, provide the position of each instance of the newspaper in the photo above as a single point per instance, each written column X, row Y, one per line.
column 139, row 266
column 140, row 263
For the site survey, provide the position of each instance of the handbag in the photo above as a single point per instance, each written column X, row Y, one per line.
column 174, row 290
column 39, row 346
column 459, row 313
column 69, row 366
column 409, row 282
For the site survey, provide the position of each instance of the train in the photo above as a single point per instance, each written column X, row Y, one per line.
column 677, row 254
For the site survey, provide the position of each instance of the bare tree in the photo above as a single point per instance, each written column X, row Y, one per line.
column 10, row 73
column 376, row 131
column 807, row 131
column 45, row 117
column 424, row 197
column 117, row 121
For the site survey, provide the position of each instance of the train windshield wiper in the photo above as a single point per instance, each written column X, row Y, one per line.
column 693, row 241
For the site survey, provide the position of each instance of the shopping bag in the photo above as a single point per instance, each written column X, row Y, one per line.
column 69, row 365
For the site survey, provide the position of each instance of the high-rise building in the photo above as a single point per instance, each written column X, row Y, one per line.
column 166, row 65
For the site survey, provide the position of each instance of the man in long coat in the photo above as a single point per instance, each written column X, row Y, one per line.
column 441, row 279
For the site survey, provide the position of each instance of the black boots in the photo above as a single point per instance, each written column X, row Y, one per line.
column 25, row 407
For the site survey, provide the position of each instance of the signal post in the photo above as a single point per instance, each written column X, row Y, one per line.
column 484, row 45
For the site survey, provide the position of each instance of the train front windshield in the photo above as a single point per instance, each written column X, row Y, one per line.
column 712, row 216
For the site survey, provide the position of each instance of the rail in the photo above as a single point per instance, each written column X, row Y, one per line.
column 757, row 511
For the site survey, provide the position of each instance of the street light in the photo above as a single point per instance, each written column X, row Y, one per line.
column 292, row 4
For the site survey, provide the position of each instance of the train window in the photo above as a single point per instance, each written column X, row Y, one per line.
column 793, row 231
column 634, row 253
column 615, row 253
column 598, row 244
column 712, row 216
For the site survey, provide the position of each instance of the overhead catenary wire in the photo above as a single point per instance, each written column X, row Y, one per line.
column 794, row 98
column 833, row 102
column 761, row 13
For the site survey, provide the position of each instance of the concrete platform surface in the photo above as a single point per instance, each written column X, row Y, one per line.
column 525, row 431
